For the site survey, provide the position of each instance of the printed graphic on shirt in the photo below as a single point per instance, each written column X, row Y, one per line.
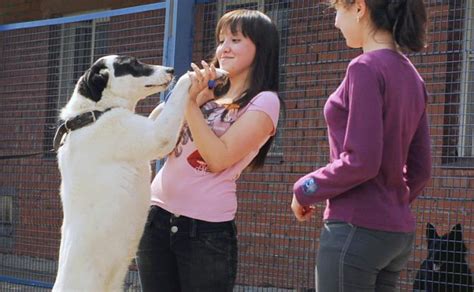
column 184, row 137
column 212, row 112
column 197, row 162
column 310, row 186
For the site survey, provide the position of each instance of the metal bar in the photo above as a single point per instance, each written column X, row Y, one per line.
column 25, row 282
column 82, row 17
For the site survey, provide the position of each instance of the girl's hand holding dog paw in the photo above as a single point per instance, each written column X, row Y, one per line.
column 199, row 90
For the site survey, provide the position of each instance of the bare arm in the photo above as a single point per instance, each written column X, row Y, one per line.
column 245, row 135
column 248, row 133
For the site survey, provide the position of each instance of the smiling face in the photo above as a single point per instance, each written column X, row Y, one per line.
column 235, row 52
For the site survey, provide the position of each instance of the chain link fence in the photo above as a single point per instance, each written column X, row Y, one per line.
column 40, row 65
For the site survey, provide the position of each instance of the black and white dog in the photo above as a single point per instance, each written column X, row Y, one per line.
column 445, row 268
column 104, row 158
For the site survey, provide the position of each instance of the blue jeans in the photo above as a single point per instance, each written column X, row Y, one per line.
column 356, row 259
column 178, row 253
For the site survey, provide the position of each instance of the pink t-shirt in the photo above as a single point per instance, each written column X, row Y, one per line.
column 184, row 186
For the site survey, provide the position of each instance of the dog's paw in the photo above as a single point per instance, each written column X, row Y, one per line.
column 221, row 73
column 221, row 76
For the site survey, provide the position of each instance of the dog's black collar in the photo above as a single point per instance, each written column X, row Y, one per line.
column 75, row 123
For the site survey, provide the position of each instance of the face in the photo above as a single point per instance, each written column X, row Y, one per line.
column 346, row 22
column 235, row 53
column 128, row 77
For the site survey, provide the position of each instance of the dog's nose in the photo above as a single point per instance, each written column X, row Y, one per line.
column 170, row 70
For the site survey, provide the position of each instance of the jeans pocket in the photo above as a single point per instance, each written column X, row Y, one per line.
column 221, row 242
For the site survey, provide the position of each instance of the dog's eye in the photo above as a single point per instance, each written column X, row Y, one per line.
column 133, row 61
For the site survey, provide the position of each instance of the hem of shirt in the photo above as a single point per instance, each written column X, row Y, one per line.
column 194, row 216
column 409, row 228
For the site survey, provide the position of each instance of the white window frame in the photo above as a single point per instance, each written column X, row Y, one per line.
column 6, row 209
column 466, row 111
column 66, row 80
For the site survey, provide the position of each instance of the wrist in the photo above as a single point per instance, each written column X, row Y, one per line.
column 191, row 106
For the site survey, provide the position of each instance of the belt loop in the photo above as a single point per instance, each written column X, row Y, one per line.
column 152, row 212
column 193, row 227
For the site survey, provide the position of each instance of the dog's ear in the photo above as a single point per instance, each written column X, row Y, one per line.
column 456, row 233
column 431, row 231
column 94, row 81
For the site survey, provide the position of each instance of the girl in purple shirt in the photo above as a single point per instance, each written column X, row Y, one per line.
column 380, row 157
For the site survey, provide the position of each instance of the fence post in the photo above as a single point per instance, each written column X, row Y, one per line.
column 179, row 35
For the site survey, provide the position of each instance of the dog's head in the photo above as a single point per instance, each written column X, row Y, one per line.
column 123, row 77
column 446, row 249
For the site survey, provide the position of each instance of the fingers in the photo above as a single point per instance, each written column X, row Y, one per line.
column 206, row 69
column 203, row 76
column 307, row 213
column 197, row 73
column 209, row 71
column 302, row 213
column 213, row 72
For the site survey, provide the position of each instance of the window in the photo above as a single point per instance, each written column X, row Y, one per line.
column 466, row 119
column 77, row 52
column 8, row 216
column 6, row 207
column 73, row 48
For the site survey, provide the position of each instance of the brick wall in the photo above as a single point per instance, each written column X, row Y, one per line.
column 274, row 250
column 13, row 11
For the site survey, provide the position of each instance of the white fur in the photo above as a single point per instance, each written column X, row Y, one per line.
column 105, row 171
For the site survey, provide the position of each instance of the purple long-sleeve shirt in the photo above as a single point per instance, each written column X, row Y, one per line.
column 380, row 158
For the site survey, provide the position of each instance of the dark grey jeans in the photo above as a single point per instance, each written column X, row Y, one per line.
column 356, row 259
column 185, row 254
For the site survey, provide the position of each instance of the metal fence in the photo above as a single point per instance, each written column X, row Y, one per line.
column 39, row 66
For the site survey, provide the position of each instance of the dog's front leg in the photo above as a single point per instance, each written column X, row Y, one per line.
column 156, row 111
column 171, row 117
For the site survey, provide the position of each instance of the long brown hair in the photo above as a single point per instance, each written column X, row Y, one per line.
column 258, row 27
column 406, row 19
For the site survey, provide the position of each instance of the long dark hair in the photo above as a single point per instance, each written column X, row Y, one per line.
column 406, row 19
column 264, row 73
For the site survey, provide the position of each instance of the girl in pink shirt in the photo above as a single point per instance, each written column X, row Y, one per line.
column 190, row 239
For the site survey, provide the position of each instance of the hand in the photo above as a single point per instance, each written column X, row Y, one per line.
column 302, row 213
column 199, row 89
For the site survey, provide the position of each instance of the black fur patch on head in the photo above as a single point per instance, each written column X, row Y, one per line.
column 93, row 82
column 125, row 65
